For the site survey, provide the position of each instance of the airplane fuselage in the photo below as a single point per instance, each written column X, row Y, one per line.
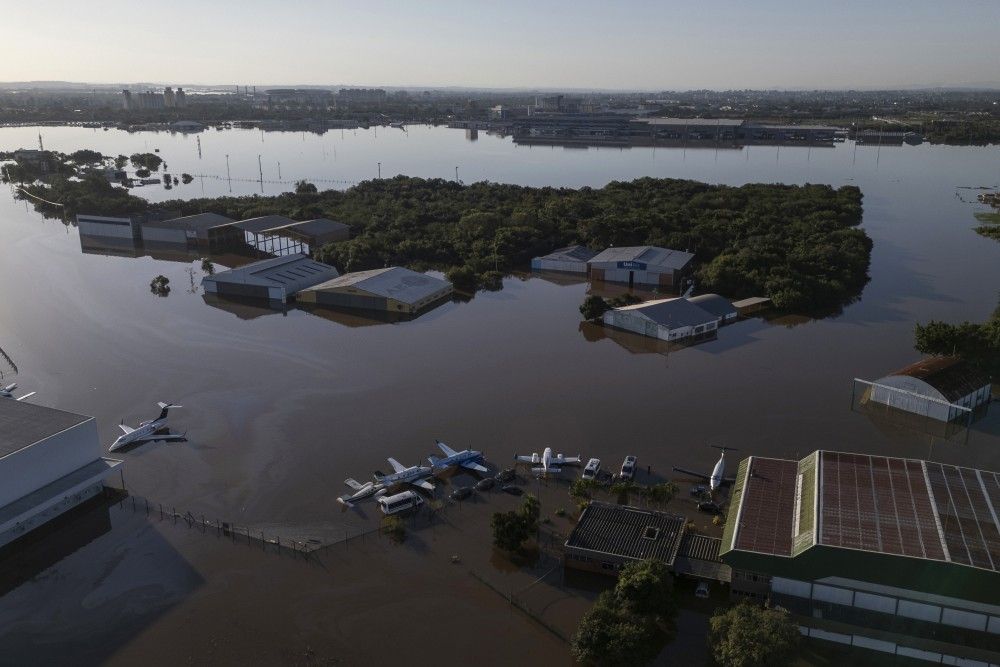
column 145, row 430
column 406, row 476
column 459, row 458
column 718, row 473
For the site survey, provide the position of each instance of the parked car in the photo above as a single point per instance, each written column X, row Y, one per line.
column 506, row 476
column 710, row 507
column 512, row 490
column 628, row 468
column 592, row 468
column 461, row 493
column 485, row 484
column 699, row 491
column 701, row 590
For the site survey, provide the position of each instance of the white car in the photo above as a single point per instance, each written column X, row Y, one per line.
column 701, row 590
column 593, row 467
column 628, row 468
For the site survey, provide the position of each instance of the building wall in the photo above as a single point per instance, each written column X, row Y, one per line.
column 540, row 264
column 936, row 408
column 633, row 321
column 31, row 468
column 650, row 276
column 176, row 235
column 65, row 504
column 93, row 225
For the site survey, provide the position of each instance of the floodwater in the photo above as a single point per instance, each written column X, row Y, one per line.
column 281, row 407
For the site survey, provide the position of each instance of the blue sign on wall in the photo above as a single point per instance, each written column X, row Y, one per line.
column 632, row 266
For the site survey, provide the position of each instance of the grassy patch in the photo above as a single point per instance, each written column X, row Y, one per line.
column 988, row 217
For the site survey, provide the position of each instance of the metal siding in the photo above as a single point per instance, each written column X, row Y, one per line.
column 164, row 235
column 33, row 467
column 105, row 229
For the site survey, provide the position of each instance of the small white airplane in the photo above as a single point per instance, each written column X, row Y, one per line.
column 8, row 392
column 147, row 431
column 361, row 491
column 550, row 462
column 402, row 475
column 467, row 458
column 717, row 478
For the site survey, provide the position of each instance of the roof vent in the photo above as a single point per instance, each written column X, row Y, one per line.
column 651, row 533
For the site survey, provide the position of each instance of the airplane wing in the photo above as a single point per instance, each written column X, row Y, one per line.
column 423, row 484
column 396, row 465
column 165, row 437
column 125, row 429
column 567, row 459
column 448, row 451
column 355, row 484
column 697, row 475
column 525, row 459
column 21, row 398
column 474, row 466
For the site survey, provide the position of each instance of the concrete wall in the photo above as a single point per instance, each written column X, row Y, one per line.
column 33, row 467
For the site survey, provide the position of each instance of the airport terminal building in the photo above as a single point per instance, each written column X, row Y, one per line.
column 896, row 555
column 50, row 462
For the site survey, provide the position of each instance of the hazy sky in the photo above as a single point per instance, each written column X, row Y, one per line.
column 629, row 44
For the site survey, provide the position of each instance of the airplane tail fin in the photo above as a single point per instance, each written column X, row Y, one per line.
column 165, row 408
column 433, row 461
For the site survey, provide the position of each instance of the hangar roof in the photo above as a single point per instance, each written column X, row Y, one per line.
column 394, row 282
column 652, row 256
column 674, row 312
column 293, row 272
column 23, row 424
column 951, row 376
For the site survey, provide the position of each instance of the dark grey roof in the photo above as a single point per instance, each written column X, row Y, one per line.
column 394, row 282
column 573, row 253
column 263, row 223
column 701, row 547
column 317, row 227
column 695, row 122
column 715, row 304
column 627, row 532
column 293, row 272
column 673, row 313
column 23, row 424
column 200, row 221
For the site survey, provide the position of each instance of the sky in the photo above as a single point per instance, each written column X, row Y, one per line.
column 590, row 44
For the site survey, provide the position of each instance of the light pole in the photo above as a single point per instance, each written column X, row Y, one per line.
column 380, row 171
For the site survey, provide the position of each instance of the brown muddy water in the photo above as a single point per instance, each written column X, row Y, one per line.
column 280, row 407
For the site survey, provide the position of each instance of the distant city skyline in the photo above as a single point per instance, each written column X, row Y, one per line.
column 584, row 45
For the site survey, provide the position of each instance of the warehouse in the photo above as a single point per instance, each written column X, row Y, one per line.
column 50, row 462
column 674, row 319
column 640, row 265
column 276, row 279
column 189, row 230
column 694, row 129
column 278, row 235
column 571, row 259
column 315, row 233
column 392, row 289
column 893, row 547
column 942, row 388
column 719, row 306
column 108, row 227
column 609, row 536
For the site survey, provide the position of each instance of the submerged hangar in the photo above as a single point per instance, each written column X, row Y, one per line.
column 393, row 289
column 941, row 388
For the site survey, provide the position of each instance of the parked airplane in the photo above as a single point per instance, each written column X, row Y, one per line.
column 8, row 392
column 550, row 462
column 147, row 431
column 361, row 491
column 467, row 458
column 402, row 475
column 717, row 478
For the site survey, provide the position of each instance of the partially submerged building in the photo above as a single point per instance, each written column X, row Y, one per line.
column 719, row 306
column 571, row 259
column 279, row 235
column 640, row 265
column 873, row 551
column 608, row 537
column 941, row 388
column 50, row 462
column 191, row 231
column 675, row 319
column 276, row 279
column 394, row 289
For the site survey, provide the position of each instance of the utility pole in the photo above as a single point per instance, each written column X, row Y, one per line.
column 228, row 177
column 279, row 170
column 456, row 175
column 380, row 171
column 260, row 168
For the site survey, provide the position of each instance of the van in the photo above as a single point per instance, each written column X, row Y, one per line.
column 593, row 466
column 400, row 502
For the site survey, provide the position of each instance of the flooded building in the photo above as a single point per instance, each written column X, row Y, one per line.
column 872, row 551
column 50, row 462
column 394, row 289
column 674, row 319
column 571, row 259
column 941, row 388
column 197, row 230
column 640, row 265
column 276, row 279
column 608, row 537
column 694, row 129
column 279, row 235
column 721, row 307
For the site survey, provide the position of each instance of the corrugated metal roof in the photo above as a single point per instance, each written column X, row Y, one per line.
column 263, row 223
column 23, row 424
column 573, row 253
column 673, row 313
column 394, row 282
column 951, row 376
column 627, row 532
column 715, row 304
column 199, row 222
column 315, row 228
column 293, row 272
column 653, row 256
column 702, row 547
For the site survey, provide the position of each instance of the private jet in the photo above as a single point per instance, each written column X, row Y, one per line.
column 147, row 431
column 8, row 392
column 717, row 479
column 467, row 458
column 361, row 491
column 550, row 462
column 402, row 475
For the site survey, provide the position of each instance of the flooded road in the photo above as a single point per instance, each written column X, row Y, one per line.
column 281, row 407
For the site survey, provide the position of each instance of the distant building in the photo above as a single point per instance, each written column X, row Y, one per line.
column 50, row 462
column 942, row 388
column 186, row 126
column 694, row 129
column 366, row 97
column 394, row 289
column 719, row 306
column 896, row 555
column 168, row 98
column 180, row 99
column 276, row 280
column 672, row 320
column 640, row 265
column 571, row 259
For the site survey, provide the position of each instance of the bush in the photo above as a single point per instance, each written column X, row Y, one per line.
column 593, row 307
column 305, row 188
column 511, row 529
column 149, row 161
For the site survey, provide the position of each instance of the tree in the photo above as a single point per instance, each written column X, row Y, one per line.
column 748, row 635
column 593, row 307
column 305, row 188
column 646, row 588
column 511, row 529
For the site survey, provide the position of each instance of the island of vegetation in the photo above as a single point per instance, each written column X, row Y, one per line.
column 800, row 245
column 977, row 344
